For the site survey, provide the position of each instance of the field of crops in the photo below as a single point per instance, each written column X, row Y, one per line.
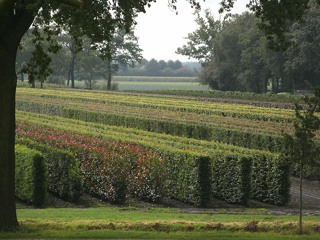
column 238, row 124
column 149, row 146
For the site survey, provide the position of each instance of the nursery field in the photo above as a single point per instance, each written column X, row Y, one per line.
column 242, row 124
column 117, row 146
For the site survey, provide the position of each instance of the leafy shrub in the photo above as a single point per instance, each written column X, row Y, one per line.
column 64, row 175
column 231, row 178
column 270, row 180
column 31, row 176
column 188, row 177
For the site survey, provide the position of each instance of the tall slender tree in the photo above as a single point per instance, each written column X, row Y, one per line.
column 301, row 148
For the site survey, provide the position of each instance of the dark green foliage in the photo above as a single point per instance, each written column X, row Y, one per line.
column 196, row 179
column 64, row 175
column 188, row 177
column 231, row 178
column 31, row 176
column 270, row 180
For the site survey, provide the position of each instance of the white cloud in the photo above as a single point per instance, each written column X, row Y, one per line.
column 161, row 31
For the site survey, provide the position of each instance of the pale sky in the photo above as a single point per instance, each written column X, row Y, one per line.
column 161, row 31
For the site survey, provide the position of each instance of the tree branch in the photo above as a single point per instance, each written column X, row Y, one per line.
column 74, row 3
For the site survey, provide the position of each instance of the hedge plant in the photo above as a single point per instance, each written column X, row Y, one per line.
column 64, row 174
column 31, row 176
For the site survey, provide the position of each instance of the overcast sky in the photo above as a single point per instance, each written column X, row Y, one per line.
column 161, row 31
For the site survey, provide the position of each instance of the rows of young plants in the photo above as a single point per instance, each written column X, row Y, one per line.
column 168, row 103
column 55, row 106
column 192, row 168
column 227, row 129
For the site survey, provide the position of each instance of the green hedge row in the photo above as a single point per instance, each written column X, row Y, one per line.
column 233, row 178
column 64, row 174
column 31, row 176
column 110, row 169
column 195, row 170
column 233, row 136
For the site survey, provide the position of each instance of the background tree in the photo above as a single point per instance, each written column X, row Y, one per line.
column 201, row 42
column 254, row 73
column 153, row 68
column 89, row 65
column 121, row 50
column 236, row 61
column 24, row 54
column 303, row 56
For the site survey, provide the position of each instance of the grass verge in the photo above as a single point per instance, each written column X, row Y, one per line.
column 157, row 223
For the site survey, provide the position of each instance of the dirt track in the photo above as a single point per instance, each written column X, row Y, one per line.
column 311, row 199
column 310, row 192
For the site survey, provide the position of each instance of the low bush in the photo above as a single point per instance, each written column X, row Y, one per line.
column 31, row 176
column 230, row 135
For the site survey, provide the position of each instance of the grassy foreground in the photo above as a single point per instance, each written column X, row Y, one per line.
column 158, row 223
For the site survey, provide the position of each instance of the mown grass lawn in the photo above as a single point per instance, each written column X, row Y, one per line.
column 158, row 223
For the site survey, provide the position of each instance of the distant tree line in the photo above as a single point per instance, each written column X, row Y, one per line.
column 154, row 67
column 236, row 55
column 77, row 58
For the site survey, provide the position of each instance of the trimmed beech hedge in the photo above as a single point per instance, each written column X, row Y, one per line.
column 232, row 136
column 31, row 176
column 231, row 178
column 188, row 177
column 64, row 174
column 270, row 180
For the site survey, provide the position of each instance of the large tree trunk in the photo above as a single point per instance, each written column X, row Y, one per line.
column 13, row 26
column 8, row 80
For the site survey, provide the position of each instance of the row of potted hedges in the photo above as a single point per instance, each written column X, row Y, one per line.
column 193, row 175
column 234, row 136
column 31, row 176
column 64, row 175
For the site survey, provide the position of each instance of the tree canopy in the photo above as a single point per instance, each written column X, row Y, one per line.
column 238, row 55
